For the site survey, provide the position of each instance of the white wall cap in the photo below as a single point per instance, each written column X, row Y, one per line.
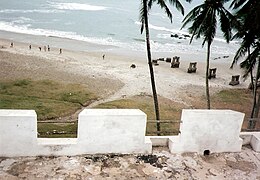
column 112, row 112
column 222, row 111
column 56, row 141
column 14, row 112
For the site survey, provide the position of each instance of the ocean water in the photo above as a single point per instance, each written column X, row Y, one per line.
column 105, row 22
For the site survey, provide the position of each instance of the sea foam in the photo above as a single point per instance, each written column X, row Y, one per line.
column 30, row 11
column 27, row 29
column 160, row 28
column 76, row 6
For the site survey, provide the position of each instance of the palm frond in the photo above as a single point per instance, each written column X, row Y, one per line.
column 210, row 26
column 225, row 24
column 191, row 15
column 178, row 5
column 237, row 3
column 248, row 66
column 249, row 63
column 150, row 4
column 240, row 53
column 197, row 16
column 166, row 9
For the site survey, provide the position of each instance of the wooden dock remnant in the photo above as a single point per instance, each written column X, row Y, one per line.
column 175, row 62
column 160, row 59
column 235, row 80
column 212, row 73
column 155, row 62
column 169, row 60
column 193, row 67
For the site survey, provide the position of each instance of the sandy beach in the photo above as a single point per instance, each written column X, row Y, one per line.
column 112, row 78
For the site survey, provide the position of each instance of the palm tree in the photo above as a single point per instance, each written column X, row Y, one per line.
column 204, row 23
column 146, row 6
column 248, row 14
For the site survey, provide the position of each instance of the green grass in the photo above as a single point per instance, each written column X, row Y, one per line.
column 52, row 100
column 45, row 108
column 234, row 96
column 168, row 111
column 145, row 104
column 48, row 98
column 57, row 130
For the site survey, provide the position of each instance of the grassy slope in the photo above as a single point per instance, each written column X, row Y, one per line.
column 168, row 111
column 49, row 99
column 235, row 99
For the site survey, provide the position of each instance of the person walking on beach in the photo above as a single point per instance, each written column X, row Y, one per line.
column 48, row 48
column 40, row 48
column 60, row 50
column 12, row 44
column 30, row 46
column 103, row 56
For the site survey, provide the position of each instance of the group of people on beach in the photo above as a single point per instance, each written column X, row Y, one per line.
column 40, row 48
column 46, row 48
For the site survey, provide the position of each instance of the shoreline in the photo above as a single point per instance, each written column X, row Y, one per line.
column 90, row 47
column 112, row 77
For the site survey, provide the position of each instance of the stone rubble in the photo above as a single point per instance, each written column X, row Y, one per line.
column 160, row 165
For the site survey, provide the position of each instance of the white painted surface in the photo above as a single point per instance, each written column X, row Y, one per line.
column 213, row 130
column 252, row 138
column 113, row 131
column 159, row 140
column 123, row 131
column 99, row 131
column 246, row 137
column 255, row 141
column 18, row 132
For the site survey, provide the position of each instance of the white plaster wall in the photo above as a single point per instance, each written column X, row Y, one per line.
column 255, row 141
column 214, row 130
column 18, row 132
column 123, row 131
column 159, row 140
column 99, row 131
column 113, row 130
column 252, row 138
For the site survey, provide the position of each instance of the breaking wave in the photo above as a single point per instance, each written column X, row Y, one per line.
column 26, row 29
column 30, row 11
column 77, row 6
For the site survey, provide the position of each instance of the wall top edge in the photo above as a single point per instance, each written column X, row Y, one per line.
column 223, row 111
column 17, row 112
column 112, row 112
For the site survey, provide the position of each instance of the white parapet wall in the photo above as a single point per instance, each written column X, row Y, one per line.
column 113, row 131
column 252, row 138
column 99, row 131
column 18, row 132
column 212, row 130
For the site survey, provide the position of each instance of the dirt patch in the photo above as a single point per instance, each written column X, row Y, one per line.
column 154, row 160
column 17, row 169
column 241, row 165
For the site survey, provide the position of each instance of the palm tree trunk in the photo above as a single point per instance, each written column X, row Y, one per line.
column 252, row 80
column 156, row 104
column 207, row 77
column 251, row 72
column 255, row 90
